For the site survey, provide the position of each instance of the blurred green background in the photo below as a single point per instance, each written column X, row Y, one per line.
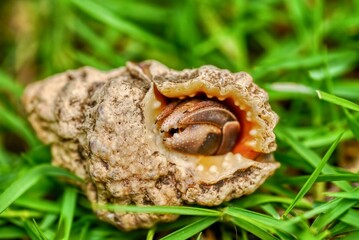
column 291, row 48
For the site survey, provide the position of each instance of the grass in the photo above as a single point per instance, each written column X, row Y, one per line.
column 304, row 53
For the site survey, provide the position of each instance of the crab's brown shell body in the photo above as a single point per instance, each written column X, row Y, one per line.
column 101, row 126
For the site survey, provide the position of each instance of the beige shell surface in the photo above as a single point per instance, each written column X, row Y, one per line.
column 101, row 126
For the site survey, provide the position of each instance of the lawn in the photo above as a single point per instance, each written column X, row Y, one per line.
column 303, row 53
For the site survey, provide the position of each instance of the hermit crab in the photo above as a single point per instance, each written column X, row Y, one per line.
column 145, row 134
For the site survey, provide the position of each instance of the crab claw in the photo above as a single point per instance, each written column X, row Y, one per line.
column 196, row 139
column 199, row 126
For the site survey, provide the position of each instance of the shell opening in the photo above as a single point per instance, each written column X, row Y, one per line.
column 244, row 131
column 209, row 168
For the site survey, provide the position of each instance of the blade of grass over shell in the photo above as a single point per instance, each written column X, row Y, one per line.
column 67, row 213
column 307, row 154
column 21, row 185
column 180, row 210
column 337, row 100
column 191, row 229
column 309, row 183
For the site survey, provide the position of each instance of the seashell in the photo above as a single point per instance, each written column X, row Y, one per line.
column 109, row 128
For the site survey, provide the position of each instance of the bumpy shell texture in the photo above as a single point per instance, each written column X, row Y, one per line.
column 102, row 127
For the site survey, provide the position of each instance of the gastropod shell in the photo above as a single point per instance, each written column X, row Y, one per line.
column 145, row 134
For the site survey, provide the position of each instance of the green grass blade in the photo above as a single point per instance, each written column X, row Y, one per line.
column 352, row 236
column 337, row 100
column 141, row 11
column 353, row 123
column 307, row 154
column 257, row 231
column 17, row 188
column 180, row 210
column 10, row 213
column 327, row 138
column 324, row 208
column 340, row 229
column 347, row 89
column 191, row 229
column 84, row 231
column 11, row 232
column 288, row 62
column 307, row 186
column 106, row 16
column 311, row 157
column 151, row 233
column 269, row 208
column 67, row 213
column 332, row 214
column 258, row 199
column 9, row 85
column 350, row 195
column 38, row 204
column 340, row 207
column 351, row 218
column 34, row 231
column 17, row 125
column 322, row 178
column 39, row 231
column 267, row 222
